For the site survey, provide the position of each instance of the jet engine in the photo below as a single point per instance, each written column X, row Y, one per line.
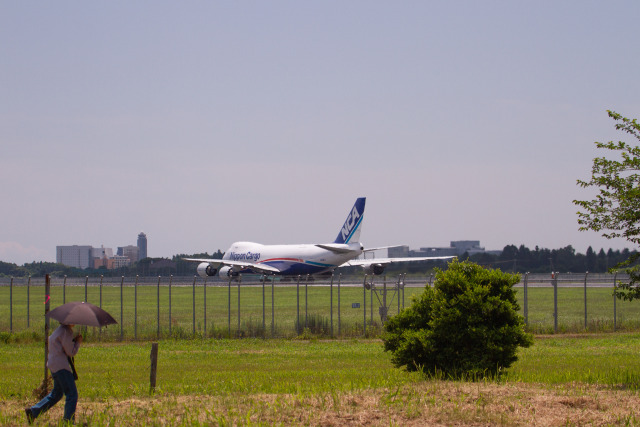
column 227, row 272
column 375, row 269
column 206, row 270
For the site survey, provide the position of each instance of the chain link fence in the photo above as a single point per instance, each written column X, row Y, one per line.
column 270, row 307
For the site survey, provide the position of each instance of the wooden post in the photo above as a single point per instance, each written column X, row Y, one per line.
column 154, row 366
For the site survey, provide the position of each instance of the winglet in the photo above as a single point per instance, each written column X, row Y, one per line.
column 350, row 231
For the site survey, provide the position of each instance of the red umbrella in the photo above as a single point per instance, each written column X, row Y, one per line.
column 81, row 313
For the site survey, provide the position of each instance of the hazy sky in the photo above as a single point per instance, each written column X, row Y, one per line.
column 203, row 123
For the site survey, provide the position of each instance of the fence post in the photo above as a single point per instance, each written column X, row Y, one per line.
column 298, row 331
column 121, row 309
column 526, row 298
column 615, row 276
column 11, row 307
column 364, row 306
column 331, row 304
column 586, row 274
column 555, row 301
column 373, row 277
column 47, row 292
column 204, row 320
column 158, row 300
column 239, row 282
column 101, row 277
column 229, row 303
column 339, row 282
column 193, row 306
column 86, row 284
column 306, row 302
column 135, row 309
column 64, row 290
column 264, row 318
column 154, row 367
column 28, row 302
column 170, row 281
column 273, row 313
column 398, row 292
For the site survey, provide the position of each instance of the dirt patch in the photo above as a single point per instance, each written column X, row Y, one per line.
column 429, row 403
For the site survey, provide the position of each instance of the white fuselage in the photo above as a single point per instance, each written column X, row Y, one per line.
column 299, row 259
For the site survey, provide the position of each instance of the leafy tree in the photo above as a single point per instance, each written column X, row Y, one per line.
column 615, row 211
column 467, row 324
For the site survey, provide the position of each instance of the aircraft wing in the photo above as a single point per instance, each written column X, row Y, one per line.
column 387, row 261
column 242, row 264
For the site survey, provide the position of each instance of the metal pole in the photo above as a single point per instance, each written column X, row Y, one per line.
column 47, row 292
column 526, row 299
column 121, row 309
column 339, row 282
column 193, row 300
column 170, row 281
column 239, row 282
column 398, row 291
column 158, row 300
column 273, row 316
column 64, row 290
column 585, row 299
column 404, row 285
column 554, row 282
column 331, row 304
column 28, row 302
column 364, row 306
column 229, row 304
column 204, row 288
column 298, row 331
column 264, row 323
column 135, row 309
column 306, row 301
column 86, row 284
column 371, row 299
column 101, row 277
column 615, row 276
column 11, row 307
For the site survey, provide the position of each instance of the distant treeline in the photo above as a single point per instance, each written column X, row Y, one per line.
column 511, row 259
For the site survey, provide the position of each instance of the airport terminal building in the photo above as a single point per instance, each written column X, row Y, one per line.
column 456, row 248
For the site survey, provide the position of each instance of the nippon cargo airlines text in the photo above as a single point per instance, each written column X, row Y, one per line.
column 247, row 256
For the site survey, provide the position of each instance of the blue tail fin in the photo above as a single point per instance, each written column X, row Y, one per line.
column 350, row 231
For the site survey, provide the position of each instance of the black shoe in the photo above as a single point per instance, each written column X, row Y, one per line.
column 29, row 414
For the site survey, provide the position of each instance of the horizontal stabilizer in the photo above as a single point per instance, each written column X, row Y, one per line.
column 336, row 248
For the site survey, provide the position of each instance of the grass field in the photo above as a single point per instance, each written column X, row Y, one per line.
column 152, row 312
column 561, row 380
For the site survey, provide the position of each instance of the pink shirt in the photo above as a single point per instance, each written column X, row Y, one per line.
column 61, row 345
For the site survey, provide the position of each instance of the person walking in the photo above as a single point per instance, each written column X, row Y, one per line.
column 62, row 347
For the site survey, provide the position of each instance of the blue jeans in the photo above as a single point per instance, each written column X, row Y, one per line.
column 63, row 383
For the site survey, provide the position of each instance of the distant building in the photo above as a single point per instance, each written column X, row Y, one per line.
column 130, row 251
column 75, row 256
column 456, row 248
column 142, row 246
column 102, row 252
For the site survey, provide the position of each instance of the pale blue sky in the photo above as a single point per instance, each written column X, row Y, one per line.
column 203, row 123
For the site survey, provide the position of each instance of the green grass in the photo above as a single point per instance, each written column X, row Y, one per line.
column 256, row 382
column 254, row 366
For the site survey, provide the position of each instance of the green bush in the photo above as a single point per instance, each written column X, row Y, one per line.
column 466, row 325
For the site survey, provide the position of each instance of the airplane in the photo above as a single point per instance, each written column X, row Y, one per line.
column 302, row 259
